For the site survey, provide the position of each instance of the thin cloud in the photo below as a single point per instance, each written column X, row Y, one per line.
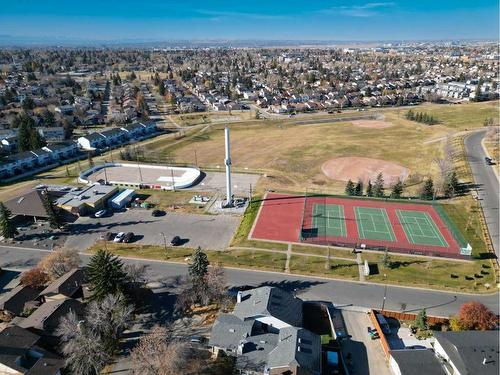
column 365, row 10
column 219, row 15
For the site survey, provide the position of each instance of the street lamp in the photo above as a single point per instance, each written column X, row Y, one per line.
column 164, row 241
column 385, row 291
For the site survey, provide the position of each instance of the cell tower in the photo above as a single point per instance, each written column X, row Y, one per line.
column 227, row 161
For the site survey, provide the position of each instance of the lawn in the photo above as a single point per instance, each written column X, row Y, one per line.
column 322, row 250
column 436, row 274
column 177, row 201
column 311, row 265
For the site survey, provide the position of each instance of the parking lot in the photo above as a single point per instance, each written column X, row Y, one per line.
column 369, row 358
column 207, row 231
column 216, row 181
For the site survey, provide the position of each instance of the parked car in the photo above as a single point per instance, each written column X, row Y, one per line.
column 119, row 237
column 108, row 236
column 157, row 213
column 129, row 237
column 489, row 161
column 176, row 241
column 101, row 213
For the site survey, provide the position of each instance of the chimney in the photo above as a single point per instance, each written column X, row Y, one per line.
column 238, row 297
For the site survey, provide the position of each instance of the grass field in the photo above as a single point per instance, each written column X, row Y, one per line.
column 291, row 155
column 312, row 265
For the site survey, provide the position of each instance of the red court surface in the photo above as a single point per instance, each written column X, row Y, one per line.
column 282, row 218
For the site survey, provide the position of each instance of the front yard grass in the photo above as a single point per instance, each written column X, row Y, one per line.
column 311, row 265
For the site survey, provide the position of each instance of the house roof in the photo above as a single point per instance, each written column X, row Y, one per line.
column 270, row 301
column 14, row 300
column 297, row 347
column 468, row 349
column 15, row 344
column 29, row 204
column 89, row 195
column 228, row 330
column 417, row 362
column 67, row 285
column 50, row 311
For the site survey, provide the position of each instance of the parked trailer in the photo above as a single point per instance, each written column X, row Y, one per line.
column 121, row 199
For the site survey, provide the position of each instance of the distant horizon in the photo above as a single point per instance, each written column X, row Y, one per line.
column 52, row 21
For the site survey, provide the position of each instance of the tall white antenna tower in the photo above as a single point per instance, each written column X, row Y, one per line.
column 227, row 161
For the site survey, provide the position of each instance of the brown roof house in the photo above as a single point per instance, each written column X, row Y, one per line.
column 68, row 285
column 21, row 353
column 15, row 299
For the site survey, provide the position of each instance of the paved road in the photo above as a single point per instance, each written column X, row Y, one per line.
column 340, row 293
column 487, row 182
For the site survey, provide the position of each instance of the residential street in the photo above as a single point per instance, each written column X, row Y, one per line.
column 487, row 182
column 340, row 293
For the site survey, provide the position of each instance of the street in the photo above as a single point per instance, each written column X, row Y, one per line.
column 487, row 185
column 340, row 293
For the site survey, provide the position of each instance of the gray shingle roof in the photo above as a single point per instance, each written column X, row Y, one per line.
column 46, row 317
column 417, row 362
column 14, row 300
column 467, row 350
column 270, row 301
column 68, row 284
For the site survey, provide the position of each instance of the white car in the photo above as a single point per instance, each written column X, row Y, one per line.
column 100, row 213
column 119, row 237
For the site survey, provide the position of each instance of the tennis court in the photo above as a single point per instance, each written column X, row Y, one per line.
column 373, row 224
column 420, row 229
column 329, row 220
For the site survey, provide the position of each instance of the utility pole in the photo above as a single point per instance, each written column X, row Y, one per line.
column 164, row 241
column 385, row 292
column 195, row 158
column 173, row 181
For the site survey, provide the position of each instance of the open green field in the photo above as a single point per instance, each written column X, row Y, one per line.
column 292, row 155
column 312, row 265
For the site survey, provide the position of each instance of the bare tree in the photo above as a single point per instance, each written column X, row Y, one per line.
column 84, row 351
column 136, row 273
column 60, row 262
column 156, row 355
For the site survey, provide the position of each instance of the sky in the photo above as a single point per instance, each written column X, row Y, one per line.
column 163, row 20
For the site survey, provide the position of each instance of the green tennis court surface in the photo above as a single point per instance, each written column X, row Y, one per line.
column 373, row 224
column 420, row 229
column 329, row 220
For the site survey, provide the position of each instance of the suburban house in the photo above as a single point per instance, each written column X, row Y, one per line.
column 62, row 150
column 92, row 141
column 68, row 285
column 468, row 352
column 15, row 299
column 10, row 143
column 45, row 319
column 114, row 136
column 55, row 133
column 28, row 205
column 25, row 355
column 415, row 362
column 265, row 334
column 43, row 156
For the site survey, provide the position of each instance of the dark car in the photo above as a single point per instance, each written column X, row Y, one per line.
column 176, row 241
column 129, row 237
column 157, row 213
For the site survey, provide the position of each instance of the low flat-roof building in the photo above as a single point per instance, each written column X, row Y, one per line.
column 86, row 200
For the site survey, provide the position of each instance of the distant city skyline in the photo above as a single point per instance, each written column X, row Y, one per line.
column 164, row 20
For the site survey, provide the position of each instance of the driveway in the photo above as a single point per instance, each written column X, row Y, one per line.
column 368, row 356
column 207, row 231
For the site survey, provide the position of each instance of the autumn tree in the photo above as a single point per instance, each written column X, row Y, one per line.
column 35, row 278
column 474, row 315
column 157, row 354
column 7, row 228
column 59, row 262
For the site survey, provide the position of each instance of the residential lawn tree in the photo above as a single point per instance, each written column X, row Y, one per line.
column 59, row 262
column 7, row 228
column 199, row 265
column 105, row 275
column 350, row 188
column 421, row 321
column 35, row 278
column 427, row 192
column 54, row 215
column 474, row 315
column 378, row 187
column 397, row 190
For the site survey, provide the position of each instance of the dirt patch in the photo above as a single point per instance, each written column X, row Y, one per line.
column 372, row 124
column 354, row 168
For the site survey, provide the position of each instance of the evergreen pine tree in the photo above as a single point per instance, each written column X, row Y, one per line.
column 378, row 187
column 428, row 190
column 421, row 320
column 53, row 214
column 105, row 275
column 451, row 186
column 7, row 228
column 199, row 266
column 349, row 188
column 161, row 89
column 90, row 160
column 369, row 189
column 397, row 190
column 358, row 190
